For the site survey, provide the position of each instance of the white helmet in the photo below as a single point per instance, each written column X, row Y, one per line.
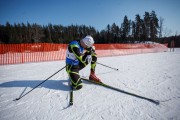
column 88, row 40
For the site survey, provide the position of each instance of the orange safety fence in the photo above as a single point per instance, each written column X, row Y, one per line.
column 104, row 50
column 39, row 52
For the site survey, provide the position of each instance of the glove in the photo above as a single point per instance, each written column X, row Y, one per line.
column 88, row 59
column 90, row 50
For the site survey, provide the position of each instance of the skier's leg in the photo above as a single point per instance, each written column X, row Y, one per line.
column 73, row 72
column 93, row 66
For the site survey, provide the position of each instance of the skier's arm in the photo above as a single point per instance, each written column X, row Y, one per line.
column 79, row 56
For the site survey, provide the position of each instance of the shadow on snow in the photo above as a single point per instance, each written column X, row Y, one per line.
column 50, row 84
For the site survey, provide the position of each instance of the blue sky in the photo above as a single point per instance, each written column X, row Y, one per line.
column 96, row 13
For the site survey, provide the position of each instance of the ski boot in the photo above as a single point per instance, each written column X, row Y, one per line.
column 93, row 77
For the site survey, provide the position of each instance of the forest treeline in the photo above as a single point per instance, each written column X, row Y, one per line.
column 144, row 28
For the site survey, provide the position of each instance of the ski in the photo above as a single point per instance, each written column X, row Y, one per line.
column 122, row 91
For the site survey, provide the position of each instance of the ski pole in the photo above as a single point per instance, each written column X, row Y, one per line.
column 38, row 85
column 107, row 66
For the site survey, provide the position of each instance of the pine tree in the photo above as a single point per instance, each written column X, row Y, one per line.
column 125, row 28
column 133, row 30
column 138, row 27
column 147, row 25
column 153, row 26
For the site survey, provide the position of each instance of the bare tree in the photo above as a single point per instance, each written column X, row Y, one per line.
column 161, row 20
column 167, row 32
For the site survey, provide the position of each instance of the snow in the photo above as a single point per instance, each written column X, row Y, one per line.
column 152, row 75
